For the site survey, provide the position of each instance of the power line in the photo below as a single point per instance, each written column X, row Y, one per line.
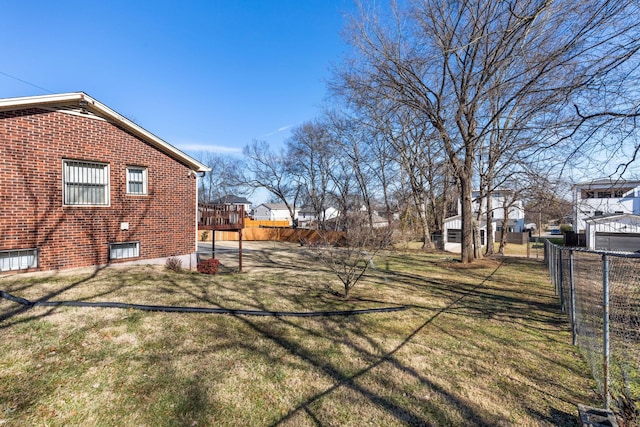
column 25, row 82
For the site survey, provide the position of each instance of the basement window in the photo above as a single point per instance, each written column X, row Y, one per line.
column 124, row 250
column 20, row 259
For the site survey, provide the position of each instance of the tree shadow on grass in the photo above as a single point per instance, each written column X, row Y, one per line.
column 401, row 413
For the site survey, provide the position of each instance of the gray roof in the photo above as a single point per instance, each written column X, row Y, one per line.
column 231, row 199
column 275, row 206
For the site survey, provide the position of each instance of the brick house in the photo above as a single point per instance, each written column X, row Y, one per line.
column 81, row 185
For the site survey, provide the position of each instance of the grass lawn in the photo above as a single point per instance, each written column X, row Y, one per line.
column 478, row 345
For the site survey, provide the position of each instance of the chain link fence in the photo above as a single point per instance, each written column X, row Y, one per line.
column 600, row 291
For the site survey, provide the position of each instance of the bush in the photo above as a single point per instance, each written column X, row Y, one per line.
column 174, row 264
column 209, row 266
column 204, row 235
column 566, row 227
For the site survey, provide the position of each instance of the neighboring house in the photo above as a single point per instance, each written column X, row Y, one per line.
column 233, row 200
column 273, row 212
column 378, row 221
column 608, row 213
column 452, row 233
column 82, row 185
column 307, row 216
column 604, row 197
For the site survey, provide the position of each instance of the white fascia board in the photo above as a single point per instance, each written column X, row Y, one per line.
column 40, row 100
column 603, row 183
column 92, row 104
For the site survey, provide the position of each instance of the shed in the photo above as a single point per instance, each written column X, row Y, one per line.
column 618, row 232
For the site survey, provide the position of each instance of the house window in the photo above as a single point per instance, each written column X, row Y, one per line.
column 20, row 259
column 124, row 250
column 136, row 180
column 604, row 194
column 85, row 183
column 598, row 213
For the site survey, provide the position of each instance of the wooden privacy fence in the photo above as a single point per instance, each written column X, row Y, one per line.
column 515, row 238
column 293, row 235
column 250, row 223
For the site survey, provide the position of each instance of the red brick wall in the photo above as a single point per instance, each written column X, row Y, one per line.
column 33, row 144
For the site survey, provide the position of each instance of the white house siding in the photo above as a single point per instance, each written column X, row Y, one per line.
column 271, row 213
column 516, row 211
column 307, row 217
column 455, row 223
column 451, row 223
column 589, row 207
column 586, row 208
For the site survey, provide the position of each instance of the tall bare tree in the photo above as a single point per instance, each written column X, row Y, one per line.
column 460, row 65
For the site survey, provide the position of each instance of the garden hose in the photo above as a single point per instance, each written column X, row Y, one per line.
column 207, row 310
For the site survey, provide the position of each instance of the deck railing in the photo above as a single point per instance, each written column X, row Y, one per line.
column 220, row 217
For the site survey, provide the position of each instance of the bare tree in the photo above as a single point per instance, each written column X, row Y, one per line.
column 312, row 153
column 225, row 177
column 356, row 158
column 418, row 160
column 447, row 62
column 351, row 255
column 273, row 172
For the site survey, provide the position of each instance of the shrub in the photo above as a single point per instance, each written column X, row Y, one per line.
column 566, row 227
column 174, row 264
column 204, row 235
column 209, row 266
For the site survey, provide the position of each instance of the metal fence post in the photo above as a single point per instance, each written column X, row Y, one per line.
column 560, row 284
column 605, row 326
column 551, row 253
column 555, row 267
column 572, row 291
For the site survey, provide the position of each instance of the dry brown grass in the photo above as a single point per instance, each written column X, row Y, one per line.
column 477, row 346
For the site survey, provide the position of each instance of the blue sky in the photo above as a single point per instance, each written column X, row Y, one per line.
column 202, row 75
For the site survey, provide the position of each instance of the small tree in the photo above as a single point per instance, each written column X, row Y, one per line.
column 351, row 254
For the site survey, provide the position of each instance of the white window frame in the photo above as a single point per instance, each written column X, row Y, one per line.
column 18, row 259
column 91, row 175
column 144, row 181
column 124, row 250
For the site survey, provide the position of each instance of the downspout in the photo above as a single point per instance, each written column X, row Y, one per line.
column 198, row 175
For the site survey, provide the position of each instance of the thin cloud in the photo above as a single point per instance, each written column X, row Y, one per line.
column 209, row 147
column 280, row 129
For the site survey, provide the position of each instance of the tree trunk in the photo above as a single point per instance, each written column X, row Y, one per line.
column 477, row 239
column 489, row 237
column 466, row 253
column 505, row 226
column 426, row 233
